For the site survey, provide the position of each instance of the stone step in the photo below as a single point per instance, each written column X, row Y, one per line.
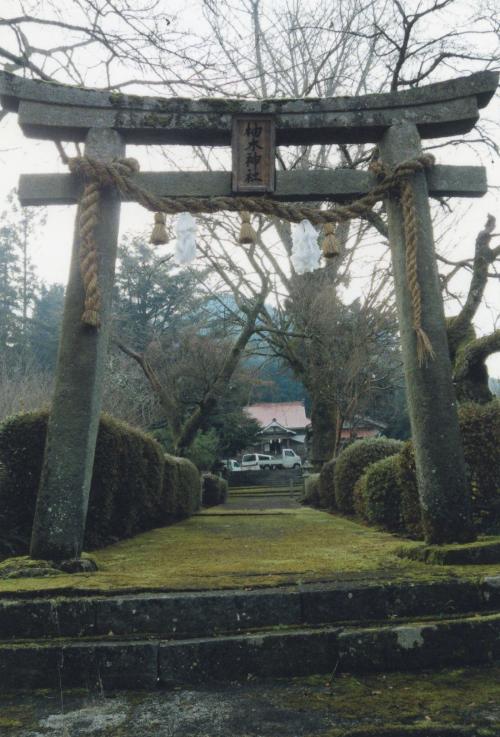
column 201, row 614
column 126, row 664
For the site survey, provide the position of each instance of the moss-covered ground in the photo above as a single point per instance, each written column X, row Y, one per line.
column 463, row 702
column 247, row 544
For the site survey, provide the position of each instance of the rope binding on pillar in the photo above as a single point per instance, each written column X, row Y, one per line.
column 120, row 175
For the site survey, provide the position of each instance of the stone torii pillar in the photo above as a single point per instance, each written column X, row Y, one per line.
column 441, row 475
column 395, row 121
column 61, row 508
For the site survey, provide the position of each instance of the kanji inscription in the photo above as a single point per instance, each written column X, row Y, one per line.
column 253, row 154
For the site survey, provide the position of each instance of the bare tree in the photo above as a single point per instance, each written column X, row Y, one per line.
column 468, row 352
column 192, row 375
column 288, row 48
column 23, row 388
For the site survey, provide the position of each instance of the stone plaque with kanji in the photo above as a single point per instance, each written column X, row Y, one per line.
column 253, row 144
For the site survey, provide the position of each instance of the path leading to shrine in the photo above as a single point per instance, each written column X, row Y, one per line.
column 259, row 587
column 259, row 538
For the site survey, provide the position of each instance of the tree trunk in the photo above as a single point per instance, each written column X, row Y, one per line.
column 470, row 374
column 209, row 402
column 324, row 432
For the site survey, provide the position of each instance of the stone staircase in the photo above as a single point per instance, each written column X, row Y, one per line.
column 144, row 641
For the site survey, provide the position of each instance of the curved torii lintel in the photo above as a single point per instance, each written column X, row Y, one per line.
column 54, row 111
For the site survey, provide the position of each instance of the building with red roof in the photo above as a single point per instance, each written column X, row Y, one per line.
column 284, row 425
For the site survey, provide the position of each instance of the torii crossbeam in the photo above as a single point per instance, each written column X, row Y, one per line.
column 107, row 121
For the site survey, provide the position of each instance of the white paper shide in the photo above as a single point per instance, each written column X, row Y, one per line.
column 305, row 250
column 185, row 245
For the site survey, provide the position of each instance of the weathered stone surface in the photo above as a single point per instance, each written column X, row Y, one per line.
column 39, row 120
column 420, row 645
column 481, row 85
column 378, row 705
column 78, row 565
column 490, row 590
column 443, row 487
column 482, row 552
column 178, row 615
column 127, row 665
column 182, row 615
column 444, row 108
column 133, row 664
column 29, row 666
column 344, row 602
column 62, row 501
column 337, row 185
column 39, row 618
column 388, row 705
column 238, row 658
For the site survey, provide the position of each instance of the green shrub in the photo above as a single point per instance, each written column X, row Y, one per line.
column 480, row 429
column 358, row 496
column 181, row 488
column 352, row 463
column 126, row 485
column 311, row 490
column 327, row 485
column 127, row 490
column 381, row 494
column 410, row 505
column 214, row 490
column 22, row 444
column 204, row 449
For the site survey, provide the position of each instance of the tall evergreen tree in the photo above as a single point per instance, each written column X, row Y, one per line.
column 151, row 296
column 45, row 325
column 18, row 281
column 9, row 289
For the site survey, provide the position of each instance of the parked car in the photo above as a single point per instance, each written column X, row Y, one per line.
column 287, row 459
column 256, row 462
column 229, row 464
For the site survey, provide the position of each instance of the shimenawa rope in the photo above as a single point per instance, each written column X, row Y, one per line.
column 119, row 173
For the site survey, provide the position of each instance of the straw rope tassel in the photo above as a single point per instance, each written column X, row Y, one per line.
column 247, row 233
column 159, row 235
column 424, row 345
column 329, row 245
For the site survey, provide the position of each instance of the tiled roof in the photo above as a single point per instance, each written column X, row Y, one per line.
column 288, row 414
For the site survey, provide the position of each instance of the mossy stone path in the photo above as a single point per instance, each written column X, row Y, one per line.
column 459, row 702
column 254, row 540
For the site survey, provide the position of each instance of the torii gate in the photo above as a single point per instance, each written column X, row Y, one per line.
column 107, row 121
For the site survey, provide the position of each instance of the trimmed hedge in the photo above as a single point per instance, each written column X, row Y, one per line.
column 480, row 429
column 214, row 490
column 134, row 487
column 378, row 493
column 311, row 489
column 352, row 463
column 480, row 426
column 358, row 496
column 327, row 485
column 181, row 495
column 410, row 503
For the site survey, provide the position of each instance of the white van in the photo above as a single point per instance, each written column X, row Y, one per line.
column 230, row 465
column 255, row 462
